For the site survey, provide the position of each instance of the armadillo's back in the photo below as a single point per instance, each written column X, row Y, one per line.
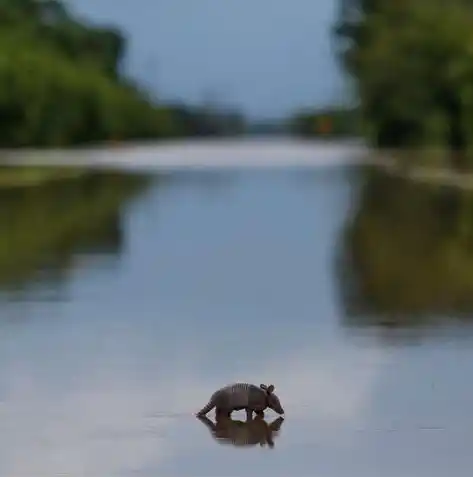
column 239, row 394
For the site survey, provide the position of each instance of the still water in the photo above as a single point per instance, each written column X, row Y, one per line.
column 126, row 300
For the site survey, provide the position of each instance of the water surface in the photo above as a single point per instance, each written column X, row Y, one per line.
column 127, row 299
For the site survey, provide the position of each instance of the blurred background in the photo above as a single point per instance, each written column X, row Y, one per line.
column 198, row 193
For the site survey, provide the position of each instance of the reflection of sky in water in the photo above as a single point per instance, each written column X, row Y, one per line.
column 214, row 286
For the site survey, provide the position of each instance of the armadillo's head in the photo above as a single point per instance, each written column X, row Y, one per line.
column 273, row 400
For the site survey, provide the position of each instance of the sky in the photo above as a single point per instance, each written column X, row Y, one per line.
column 264, row 57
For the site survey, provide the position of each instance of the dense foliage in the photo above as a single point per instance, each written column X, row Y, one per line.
column 413, row 66
column 60, row 82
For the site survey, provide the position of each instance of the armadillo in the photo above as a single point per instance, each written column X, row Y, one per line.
column 237, row 396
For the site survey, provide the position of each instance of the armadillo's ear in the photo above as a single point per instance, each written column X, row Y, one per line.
column 263, row 386
column 270, row 389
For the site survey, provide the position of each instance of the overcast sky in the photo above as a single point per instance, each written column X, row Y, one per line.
column 266, row 57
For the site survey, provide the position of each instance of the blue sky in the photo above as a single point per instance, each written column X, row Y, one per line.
column 265, row 57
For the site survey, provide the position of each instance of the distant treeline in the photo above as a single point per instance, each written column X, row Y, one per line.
column 328, row 122
column 207, row 120
column 61, row 84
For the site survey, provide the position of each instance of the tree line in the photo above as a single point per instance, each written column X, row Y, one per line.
column 412, row 63
column 61, row 84
column 325, row 123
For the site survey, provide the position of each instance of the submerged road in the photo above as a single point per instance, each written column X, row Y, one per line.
column 199, row 153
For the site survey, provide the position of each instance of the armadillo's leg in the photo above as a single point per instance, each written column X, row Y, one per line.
column 260, row 413
column 249, row 414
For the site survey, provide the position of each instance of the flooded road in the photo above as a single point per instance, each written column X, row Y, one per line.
column 127, row 299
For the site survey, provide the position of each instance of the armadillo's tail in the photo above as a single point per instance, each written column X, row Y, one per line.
column 208, row 407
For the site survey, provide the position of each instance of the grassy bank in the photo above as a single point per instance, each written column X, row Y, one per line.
column 15, row 177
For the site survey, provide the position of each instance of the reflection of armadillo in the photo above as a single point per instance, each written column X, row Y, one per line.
column 250, row 397
column 244, row 434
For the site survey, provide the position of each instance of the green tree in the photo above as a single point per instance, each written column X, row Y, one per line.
column 60, row 82
column 413, row 65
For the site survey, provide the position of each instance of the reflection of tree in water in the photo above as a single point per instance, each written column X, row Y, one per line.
column 44, row 229
column 407, row 254
column 244, row 433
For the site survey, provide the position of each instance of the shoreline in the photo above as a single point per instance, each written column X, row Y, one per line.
column 35, row 176
column 265, row 152
column 254, row 152
column 424, row 174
